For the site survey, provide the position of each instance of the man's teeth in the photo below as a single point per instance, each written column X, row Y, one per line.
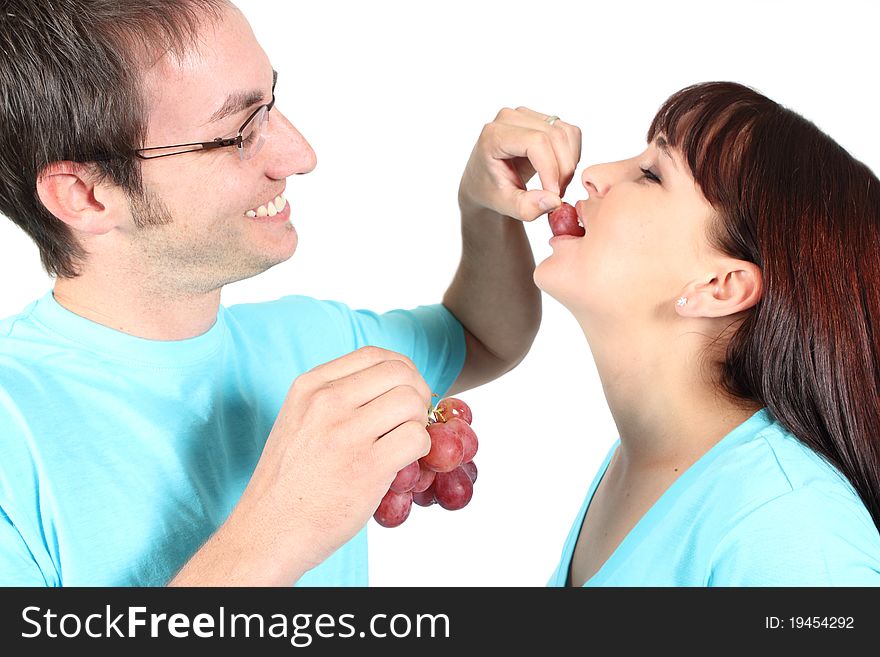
column 271, row 208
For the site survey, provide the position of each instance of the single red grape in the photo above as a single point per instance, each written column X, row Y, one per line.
column 470, row 469
column 406, row 478
column 564, row 221
column 426, row 478
column 453, row 490
column 467, row 437
column 453, row 407
column 393, row 509
column 425, row 497
column 446, row 448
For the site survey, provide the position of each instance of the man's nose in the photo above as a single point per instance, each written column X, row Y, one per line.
column 289, row 152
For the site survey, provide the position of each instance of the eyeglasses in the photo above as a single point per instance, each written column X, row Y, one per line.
column 248, row 141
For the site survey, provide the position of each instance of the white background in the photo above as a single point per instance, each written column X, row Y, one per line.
column 392, row 95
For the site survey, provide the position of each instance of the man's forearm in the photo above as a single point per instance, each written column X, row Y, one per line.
column 241, row 553
column 493, row 294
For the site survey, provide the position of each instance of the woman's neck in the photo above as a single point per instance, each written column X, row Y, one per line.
column 667, row 405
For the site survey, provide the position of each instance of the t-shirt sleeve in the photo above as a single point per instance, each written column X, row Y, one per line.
column 17, row 565
column 430, row 336
column 804, row 537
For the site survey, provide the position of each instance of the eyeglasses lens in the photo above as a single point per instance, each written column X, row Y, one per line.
column 253, row 135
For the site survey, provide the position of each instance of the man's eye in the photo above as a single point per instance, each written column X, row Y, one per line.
column 650, row 175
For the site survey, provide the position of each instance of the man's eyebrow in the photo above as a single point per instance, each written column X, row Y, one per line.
column 238, row 101
column 663, row 145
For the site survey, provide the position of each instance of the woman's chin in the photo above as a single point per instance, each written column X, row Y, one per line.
column 542, row 275
column 550, row 278
column 564, row 286
column 548, row 281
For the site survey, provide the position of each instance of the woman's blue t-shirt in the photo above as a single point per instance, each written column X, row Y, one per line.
column 759, row 508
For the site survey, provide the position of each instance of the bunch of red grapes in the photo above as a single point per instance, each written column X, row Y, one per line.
column 445, row 475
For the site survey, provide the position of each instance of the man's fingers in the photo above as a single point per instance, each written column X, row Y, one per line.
column 566, row 139
column 362, row 387
column 573, row 141
column 388, row 411
column 528, row 205
column 403, row 445
column 535, row 145
column 356, row 361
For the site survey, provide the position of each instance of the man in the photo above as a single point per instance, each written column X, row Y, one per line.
column 147, row 434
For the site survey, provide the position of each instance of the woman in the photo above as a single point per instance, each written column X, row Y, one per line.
column 727, row 287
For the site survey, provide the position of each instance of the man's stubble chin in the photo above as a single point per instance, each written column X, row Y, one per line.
column 177, row 258
column 204, row 264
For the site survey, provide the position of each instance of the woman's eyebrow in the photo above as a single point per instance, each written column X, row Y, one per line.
column 663, row 145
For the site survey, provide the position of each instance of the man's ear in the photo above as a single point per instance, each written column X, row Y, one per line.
column 77, row 195
column 735, row 286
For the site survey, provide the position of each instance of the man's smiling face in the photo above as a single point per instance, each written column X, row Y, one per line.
column 205, row 218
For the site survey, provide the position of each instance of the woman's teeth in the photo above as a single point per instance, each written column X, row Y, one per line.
column 271, row 208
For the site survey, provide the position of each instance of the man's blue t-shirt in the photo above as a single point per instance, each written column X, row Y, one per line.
column 120, row 456
column 760, row 508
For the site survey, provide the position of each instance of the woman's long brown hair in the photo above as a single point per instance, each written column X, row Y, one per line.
column 792, row 201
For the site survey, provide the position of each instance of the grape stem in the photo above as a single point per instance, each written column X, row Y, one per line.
column 435, row 415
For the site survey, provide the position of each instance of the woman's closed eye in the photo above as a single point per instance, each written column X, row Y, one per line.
column 649, row 175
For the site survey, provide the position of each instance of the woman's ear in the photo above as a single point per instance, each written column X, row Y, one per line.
column 735, row 286
column 74, row 193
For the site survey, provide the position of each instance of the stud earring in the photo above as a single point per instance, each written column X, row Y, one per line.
column 681, row 302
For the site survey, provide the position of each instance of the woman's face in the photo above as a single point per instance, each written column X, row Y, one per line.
column 645, row 222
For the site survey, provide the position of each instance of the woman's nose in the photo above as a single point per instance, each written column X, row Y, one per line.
column 596, row 180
